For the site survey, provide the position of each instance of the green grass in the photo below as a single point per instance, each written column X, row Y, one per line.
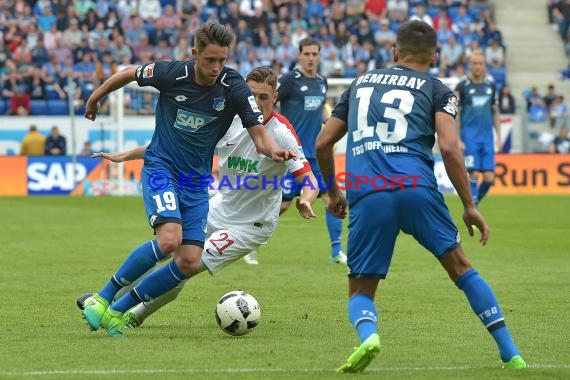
column 54, row 249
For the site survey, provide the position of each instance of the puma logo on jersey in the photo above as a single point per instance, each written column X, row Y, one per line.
column 190, row 121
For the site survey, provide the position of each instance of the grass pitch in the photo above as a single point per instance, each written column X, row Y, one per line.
column 54, row 249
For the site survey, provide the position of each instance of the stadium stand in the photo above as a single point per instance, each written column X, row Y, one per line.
column 44, row 43
column 534, row 58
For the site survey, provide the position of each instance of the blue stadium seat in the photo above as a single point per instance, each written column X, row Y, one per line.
column 51, row 94
column 474, row 11
column 433, row 11
column 453, row 12
column 500, row 75
column 350, row 72
column 80, row 111
column 39, row 107
column 3, row 107
column 57, row 107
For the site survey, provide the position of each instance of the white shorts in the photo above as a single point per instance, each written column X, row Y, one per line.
column 224, row 246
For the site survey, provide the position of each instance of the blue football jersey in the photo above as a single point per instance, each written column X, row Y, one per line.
column 390, row 115
column 476, row 102
column 302, row 100
column 190, row 119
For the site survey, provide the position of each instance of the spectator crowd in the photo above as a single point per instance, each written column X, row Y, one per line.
column 50, row 50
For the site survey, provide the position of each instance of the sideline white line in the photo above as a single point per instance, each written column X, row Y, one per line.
column 248, row 370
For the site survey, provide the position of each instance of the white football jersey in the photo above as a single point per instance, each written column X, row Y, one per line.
column 249, row 183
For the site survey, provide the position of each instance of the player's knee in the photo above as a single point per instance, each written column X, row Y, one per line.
column 455, row 263
column 489, row 177
column 169, row 243
column 188, row 265
column 169, row 237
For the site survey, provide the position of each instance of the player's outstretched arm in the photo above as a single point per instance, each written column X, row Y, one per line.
column 455, row 167
column 310, row 191
column 266, row 145
column 128, row 155
column 333, row 131
column 115, row 81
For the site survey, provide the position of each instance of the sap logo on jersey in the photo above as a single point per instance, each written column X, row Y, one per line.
column 190, row 121
column 313, row 103
column 54, row 177
column 480, row 100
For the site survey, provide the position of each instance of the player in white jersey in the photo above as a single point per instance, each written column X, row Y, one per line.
column 244, row 212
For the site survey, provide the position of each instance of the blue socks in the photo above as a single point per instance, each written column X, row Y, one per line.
column 474, row 190
column 137, row 263
column 483, row 189
column 486, row 307
column 363, row 315
column 334, row 226
column 152, row 286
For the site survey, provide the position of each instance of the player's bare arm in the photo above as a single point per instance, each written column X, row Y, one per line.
column 455, row 167
column 115, row 81
column 333, row 131
column 266, row 145
column 128, row 155
column 308, row 195
column 497, row 125
column 460, row 142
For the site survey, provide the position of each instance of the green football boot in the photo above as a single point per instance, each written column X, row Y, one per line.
column 112, row 321
column 516, row 362
column 131, row 321
column 363, row 355
column 94, row 308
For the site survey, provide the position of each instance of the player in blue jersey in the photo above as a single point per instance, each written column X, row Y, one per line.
column 233, row 232
column 391, row 116
column 302, row 95
column 478, row 114
column 197, row 104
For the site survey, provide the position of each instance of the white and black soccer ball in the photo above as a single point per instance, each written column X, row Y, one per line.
column 237, row 312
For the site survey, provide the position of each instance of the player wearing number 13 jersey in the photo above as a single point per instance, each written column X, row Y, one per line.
column 391, row 117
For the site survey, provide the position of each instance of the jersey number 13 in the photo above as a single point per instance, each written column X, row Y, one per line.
column 398, row 114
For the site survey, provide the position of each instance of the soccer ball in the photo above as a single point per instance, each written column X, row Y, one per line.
column 237, row 312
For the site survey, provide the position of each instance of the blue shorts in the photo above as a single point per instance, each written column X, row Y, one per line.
column 292, row 188
column 480, row 156
column 166, row 202
column 376, row 220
